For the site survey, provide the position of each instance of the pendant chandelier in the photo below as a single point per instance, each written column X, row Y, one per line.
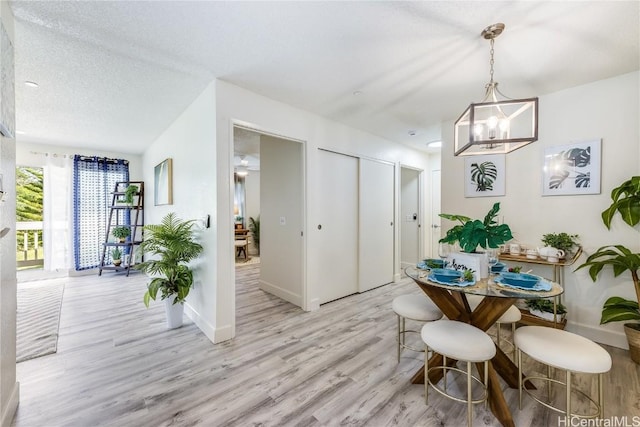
column 497, row 124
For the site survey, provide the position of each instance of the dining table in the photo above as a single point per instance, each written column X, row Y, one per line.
column 498, row 297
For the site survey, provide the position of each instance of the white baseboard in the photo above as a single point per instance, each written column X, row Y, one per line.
column 397, row 277
column 612, row 338
column 12, row 406
column 314, row 304
column 281, row 293
column 215, row 335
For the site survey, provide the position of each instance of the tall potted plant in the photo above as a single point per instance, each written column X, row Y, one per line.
column 172, row 245
column 626, row 202
column 254, row 228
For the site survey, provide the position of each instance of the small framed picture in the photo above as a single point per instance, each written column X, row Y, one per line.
column 572, row 169
column 484, row 176
column 163, row 178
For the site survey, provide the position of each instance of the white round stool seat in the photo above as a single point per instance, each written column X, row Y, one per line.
column 562, row 349
column 512, row 315
column 458, row 340
column 416, row 307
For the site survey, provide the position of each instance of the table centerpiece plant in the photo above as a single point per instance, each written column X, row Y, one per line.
column 472, row 233
column 625, row 201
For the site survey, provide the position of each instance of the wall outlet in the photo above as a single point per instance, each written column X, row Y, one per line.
column 283, row 220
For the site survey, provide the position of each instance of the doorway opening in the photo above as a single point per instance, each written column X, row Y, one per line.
column 269, row 219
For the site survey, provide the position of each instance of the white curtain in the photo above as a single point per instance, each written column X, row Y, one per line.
column 56, row 218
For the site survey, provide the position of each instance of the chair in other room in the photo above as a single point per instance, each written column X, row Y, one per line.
column 241, row 243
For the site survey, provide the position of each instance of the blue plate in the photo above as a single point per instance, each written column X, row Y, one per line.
column 522, row 280
column 432, row 278
column 445, row 275
column 430, row 263
column 541, row 286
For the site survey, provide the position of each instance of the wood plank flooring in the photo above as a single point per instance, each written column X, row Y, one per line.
column 117, row 365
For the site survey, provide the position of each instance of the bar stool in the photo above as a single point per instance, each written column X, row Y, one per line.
column 463, row 342
column 562, row 350
column 510, row 317
column 414, row 307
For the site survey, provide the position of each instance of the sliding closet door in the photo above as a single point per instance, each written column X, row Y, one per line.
column 376, row 224
column 337, row 227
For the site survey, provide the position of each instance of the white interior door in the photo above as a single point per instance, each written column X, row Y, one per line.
column 337, row 228
column 376, row 224
column 409, row 220
column 435, row 211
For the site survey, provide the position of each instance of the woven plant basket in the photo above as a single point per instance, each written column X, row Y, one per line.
column 632, row 330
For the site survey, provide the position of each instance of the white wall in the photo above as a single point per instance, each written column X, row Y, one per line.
column 190, row 142
column 606, row 109
column 9, row 388
column 281, row 195
column 263, row 114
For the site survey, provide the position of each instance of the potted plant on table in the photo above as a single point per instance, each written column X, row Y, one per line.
column 563, row 241
column 121, row 233
column 626, row 201
column 172, row 244
column 471, row 234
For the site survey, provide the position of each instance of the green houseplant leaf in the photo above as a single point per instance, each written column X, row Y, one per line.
column 172, row 245
column 473, row 233
column 626, row 201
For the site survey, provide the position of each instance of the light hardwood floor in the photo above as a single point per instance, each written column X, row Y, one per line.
column 117, row 365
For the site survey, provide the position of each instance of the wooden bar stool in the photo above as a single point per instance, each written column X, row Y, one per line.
column 463, row 342
column 414, row 307
column 566, row 351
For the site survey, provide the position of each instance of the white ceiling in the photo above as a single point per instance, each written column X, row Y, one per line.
column 114, row 74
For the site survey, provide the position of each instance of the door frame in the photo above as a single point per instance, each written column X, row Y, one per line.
column 421, row 211
column 233, row 123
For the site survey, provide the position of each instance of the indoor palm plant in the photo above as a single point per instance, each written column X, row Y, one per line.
column 254, row 228
column 473, row 233
column 172, row 245
column 626, row 201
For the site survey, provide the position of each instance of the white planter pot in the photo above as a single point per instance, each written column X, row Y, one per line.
column 546, row 315
column 174, row 312
column 476, row 262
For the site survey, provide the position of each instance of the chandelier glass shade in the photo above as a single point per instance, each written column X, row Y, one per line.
column 497, row 124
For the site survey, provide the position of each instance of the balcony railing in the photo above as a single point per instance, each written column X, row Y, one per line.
column 30, row 252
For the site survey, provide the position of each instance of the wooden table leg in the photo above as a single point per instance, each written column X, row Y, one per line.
column 497, row 402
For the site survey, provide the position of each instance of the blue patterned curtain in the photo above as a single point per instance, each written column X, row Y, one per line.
column 94, row 178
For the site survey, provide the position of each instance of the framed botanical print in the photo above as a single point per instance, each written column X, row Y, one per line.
column 484, row 176
column 163, row 182
column 572, row 169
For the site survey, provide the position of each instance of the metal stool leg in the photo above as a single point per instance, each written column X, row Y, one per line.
column 426, row 374
column 469, row 396
column 569, row 396
column 600, row 397
column 399, row 334
column 486, row 383
column 519, row 379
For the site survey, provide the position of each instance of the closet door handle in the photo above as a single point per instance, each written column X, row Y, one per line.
column 319, row 226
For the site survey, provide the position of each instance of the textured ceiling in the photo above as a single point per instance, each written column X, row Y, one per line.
column 114, row 75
